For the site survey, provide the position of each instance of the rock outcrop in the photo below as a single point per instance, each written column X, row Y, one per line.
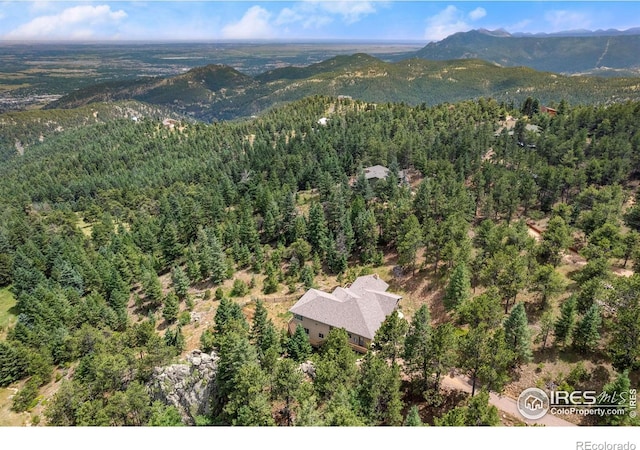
column 188, row 387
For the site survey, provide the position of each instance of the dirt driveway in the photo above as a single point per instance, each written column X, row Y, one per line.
column 503, row 403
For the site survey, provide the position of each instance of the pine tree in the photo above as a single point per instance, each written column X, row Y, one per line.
column 298, row 346
column 624, row 347
column 459, row 288
column 389, row 338
column 547, row 322
column 193, row 265
column 555, row 239
column 270, row 284
column 171, row 307
column 152, row 289
column 586, row 335
column 287, row 381
column 317, row 229
column 234, row 351
column 547, row 282
column 417, row 346
column 566, row 321
column 170, row 244
column 409, row 241
column 218, row 259
column 477, row 412
column 485, row 357
column 378, row 391
column 180, row 282
column 336, row 367
column 366, row 235
column 442, row 352
column 614, row 391
column 341, row 411
column 248, row 400
column 259, row 324
column 518, row 334
column 413, row 418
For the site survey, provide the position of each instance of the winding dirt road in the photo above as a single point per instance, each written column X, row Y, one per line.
column 504, row 404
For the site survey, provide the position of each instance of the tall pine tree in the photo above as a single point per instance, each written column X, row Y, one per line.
column 517, row 334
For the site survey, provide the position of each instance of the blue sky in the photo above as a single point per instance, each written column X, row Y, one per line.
column 309, row 19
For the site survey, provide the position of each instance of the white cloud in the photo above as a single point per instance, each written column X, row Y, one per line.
column 567, row 20
column 477, row 13
column 449, row 21
column 72, row 23
column 316, row 14
column 253, row 25
column 288, row 15
column 520, row 26
column 351, row 12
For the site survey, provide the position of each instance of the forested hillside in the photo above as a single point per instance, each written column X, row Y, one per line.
column 217, row 92
column 21, row 129
column 115, row 236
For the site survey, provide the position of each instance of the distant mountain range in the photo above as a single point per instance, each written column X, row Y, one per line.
column 609, row 52
column 217, row 92
column 473, row 64
column 609, row 32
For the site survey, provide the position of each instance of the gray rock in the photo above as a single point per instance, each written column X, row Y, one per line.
column 188, row 387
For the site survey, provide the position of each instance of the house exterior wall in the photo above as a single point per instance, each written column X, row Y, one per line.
column 318, row 332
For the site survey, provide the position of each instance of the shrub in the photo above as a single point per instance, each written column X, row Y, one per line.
column 184, row 318
column 239, row 289
column 578, row 374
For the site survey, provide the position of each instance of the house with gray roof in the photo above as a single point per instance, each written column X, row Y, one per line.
column 359, row 308
column 378, row 172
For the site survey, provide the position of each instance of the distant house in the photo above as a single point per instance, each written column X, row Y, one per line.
column 378, row 172
column 169, row 123
column 546, row 110
column 360, row 309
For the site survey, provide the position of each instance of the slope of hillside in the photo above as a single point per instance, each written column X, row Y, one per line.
column 220, row 92
column 19, row 130
column 562, row 54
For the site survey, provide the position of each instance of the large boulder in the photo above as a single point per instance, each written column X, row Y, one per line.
column 188, row 386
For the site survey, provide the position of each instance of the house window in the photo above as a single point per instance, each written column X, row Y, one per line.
column 320, row 335
column 298, row 317
column 349, row 335
column 306, row 330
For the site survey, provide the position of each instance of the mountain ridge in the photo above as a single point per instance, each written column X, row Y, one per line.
column 218, row 92
column 552, row 53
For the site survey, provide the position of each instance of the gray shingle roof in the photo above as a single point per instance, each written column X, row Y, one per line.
column 378, row 171
column 359, row 309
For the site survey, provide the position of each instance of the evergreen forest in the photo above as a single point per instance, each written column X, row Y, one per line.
column 514, row 241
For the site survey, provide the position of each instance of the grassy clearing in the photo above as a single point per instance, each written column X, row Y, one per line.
column 84, row 226
column 8, row 312
column 10, row 418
